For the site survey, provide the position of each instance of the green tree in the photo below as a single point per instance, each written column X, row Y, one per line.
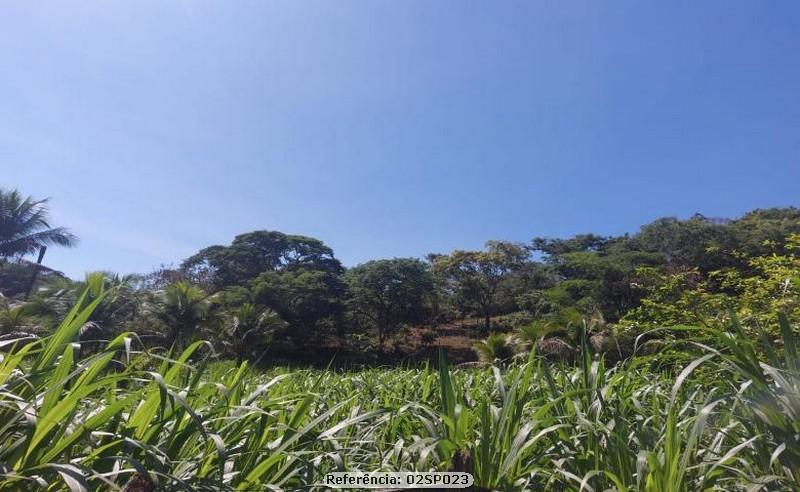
column 17, row 316
column 496, row 348
column 474, row 278
column 770, row 285
column 553, row 248
column 763, row 232
column 182, row 309
column 604, row 281
column 303, row 297
column 388, row 293
column 594, row 273
column 247, row 328
column 119, row 310
column 253, row 253
column 697, row 242
column 711, row 244
column 25, row 226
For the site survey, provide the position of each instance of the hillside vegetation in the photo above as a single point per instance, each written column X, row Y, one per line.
column 664, row 361
column 271, row 296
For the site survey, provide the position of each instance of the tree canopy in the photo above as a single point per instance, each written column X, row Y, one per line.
column 268, row 287
column 387, row 293
column 254, row 253
column 475, row 277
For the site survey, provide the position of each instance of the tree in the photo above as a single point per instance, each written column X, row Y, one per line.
column 17, row 316
column 388, row 293
column 302, row 296
column 122, row 306
column 593, row 273
column 762, row 232
column 475, row 277
column 497, row 348
column 553, row 248
column 254, row 253
column 182, row 309
column 604, row 281
column 711, row 244
column 15, row 277
column 117, row 311
column 677, row 298
column 296, row 276
column 698, row 241
column 25, row 227
column 249, row 327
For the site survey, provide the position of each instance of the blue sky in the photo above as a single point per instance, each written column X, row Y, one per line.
column 392, row 128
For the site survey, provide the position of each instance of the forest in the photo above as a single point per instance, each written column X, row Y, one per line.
column 660, row 360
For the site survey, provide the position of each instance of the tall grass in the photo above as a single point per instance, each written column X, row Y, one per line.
column 728, row 420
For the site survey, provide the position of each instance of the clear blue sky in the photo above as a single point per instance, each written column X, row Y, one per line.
column 391, row 128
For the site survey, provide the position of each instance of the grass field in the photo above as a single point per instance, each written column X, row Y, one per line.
column 722, row 420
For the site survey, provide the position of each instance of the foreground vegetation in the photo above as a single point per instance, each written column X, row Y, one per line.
column 727, row 420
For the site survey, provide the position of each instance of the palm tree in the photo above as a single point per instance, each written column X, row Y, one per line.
column 498, row 347
column 24, row 226
column 15, row 316
column 122, row 302
column 249, row 327
column 183, row 309
column 21, row 320
column 560, row 335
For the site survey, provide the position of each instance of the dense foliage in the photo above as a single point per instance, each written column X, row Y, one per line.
column 665, row 361
column 728, row 420
column 671, row 272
